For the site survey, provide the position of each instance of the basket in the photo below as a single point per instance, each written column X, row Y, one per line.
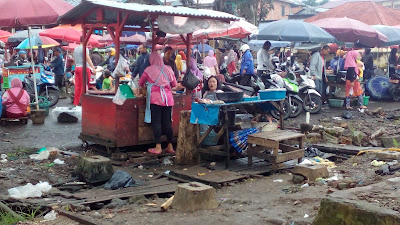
column 273, row 94
column 336, row 103
column 43, row 104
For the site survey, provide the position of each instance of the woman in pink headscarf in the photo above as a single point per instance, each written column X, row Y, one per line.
column 353, row 86
column 211, row 62
column 160, row 79
column 16, row 100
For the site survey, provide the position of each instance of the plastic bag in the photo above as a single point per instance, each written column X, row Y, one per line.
column 41, row 155
column 190, row 81
column 121, row 68
column 75, row 111
column 120, row 179
column 58, row 162
column 52, row 215
column 29, row 190
column 119, row 98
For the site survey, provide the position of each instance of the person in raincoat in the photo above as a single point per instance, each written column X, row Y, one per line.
column 211, row 62
column 160, row 80
column 247, row 66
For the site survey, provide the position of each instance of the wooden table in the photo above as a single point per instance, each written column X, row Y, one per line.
column 223, row 150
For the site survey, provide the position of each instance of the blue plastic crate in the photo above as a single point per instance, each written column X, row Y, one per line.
column 273, row 94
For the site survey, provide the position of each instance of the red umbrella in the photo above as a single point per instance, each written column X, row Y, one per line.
column 4, row 35
column 349, row 30
column 17, row 13
column 68, row 33
column 134, row 39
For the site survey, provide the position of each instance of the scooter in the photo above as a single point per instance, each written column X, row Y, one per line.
column 312, row 101
column 45, row 87
column 292, row 94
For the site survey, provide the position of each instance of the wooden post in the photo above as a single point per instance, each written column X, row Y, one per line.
column 186, row 151
column 194, row 196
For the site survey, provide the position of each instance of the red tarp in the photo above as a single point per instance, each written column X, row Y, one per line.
column 70, row 33
column 4, row 35
column 17, row 13
column 367, row 12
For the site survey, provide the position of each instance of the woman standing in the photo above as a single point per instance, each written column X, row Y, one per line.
column 393, row 61
column 159, row 100
column 211, row 62
column 196, row 72
column 353, row 86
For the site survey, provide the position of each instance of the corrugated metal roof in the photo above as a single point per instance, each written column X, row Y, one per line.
column 141, row 9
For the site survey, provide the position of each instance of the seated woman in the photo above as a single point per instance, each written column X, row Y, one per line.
column 15, row 100
column 213, row 86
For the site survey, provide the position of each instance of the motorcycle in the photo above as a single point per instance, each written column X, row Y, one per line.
column 312, row 101
column 45, row 87
column 395, row 87
column 292, row 94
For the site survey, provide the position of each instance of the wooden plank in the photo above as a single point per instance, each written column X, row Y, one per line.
column 211, row 151
column 205, row 135
column 340, row 149
column 287, row 148
column 78, row 218
column 287, row 136
column 216, row 176
column 145, row 133
column 262, row 142
column 289, row 156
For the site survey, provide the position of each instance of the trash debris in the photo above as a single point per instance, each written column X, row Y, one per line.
column 52, row 215
column 167, row 161
column 167, row 172
column 58, row 162
column 120, row 179
column 306, row 216
column 67, row 115
column 3, row 158
column 347, row 115
column 337, row 118
column 278, row 181
column 377, row 163
column 42, row 155
column 29, row 190
column 140, row 167
column 305, row 185
column 312, row 152
column 201, row 174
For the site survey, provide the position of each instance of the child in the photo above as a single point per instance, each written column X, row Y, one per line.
column 107, row 84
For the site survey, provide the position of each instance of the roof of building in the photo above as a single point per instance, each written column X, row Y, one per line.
column 335, row 3
column 368, row 12
column 76, row 2
column 138, row 12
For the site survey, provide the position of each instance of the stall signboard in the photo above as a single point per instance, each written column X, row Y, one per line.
column 19, row 72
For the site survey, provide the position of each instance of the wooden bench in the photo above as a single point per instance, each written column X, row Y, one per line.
column 272, row 140
column 22, row 121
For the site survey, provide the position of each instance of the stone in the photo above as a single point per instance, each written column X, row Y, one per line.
column 116, row 203
column 335, row 211
column 298, row 179
column 275, row 221
column 357, row 137
column 334, row 131
column 97, row 215
column 194, row 196
column 330, row 138
column 119, row 156
column 312, row 172
column 135, row 199
column 342, row 186
column 391, row 155
column 94, row 169
column 392, row 141
column 314, row 137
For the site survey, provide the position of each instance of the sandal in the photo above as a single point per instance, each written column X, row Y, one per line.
column 363, row 107
column 349, row 108
column 169, row 151
column 153, row 151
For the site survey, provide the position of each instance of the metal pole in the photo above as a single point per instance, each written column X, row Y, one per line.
column 33, row 68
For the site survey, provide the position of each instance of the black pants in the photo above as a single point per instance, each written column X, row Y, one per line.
column 246, row 80
column 59, row 81
column 161, row 122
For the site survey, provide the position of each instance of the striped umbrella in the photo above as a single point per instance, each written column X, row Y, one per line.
column 379, row 87
column 36, row 41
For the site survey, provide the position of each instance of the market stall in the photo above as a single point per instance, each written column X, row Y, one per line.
column 112, row 125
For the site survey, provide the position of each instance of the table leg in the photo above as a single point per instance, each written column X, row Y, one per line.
column 281, row 120
column 226, row 141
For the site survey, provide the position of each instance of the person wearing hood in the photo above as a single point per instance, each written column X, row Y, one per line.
column 368, row 60
column 353, row 86
column 196, row 72
column 110, row 61
column 21, row 58
column 160, row 80
column 211, row 62
column 247, row 65
column 96, row 58
column 15, row 100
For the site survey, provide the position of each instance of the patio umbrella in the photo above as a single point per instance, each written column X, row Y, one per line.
column 206, row 47
column 68, row 33
column 392, row 33
column 22, row 35
column 256, row 45
column 37, row 41
column 295, row 31
column 349, row 30
column 4, row 35
column 237, row 29
column 379, row 87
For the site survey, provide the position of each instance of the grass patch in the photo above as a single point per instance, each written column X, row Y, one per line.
column 8, row 219
column 20, row 152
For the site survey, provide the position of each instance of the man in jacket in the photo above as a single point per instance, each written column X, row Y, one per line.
column 58, row 68
column 247, row 66
column 264, row 58
column 318, row 68
column 110, row 61
column 169, row 60
column 142, row 63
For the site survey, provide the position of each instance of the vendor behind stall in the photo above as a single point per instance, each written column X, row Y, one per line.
column 15, row 100
column 21, row 58
column 160, row 79
column 110, row 61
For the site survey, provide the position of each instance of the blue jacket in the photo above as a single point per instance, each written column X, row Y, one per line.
column 142, row 63
column 247, row 63
column 57, row 66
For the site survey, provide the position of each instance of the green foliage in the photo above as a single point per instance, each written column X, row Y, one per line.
column 315, row 2
column 395, row 143
column 8, row 219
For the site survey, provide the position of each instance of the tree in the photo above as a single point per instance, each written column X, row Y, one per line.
column 315, row 2
column 252, row 10
column 187, row 2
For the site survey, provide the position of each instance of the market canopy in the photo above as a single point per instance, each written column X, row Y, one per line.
column 68, row 33
column 19, row 13
column 169, row 19
column 368, row 12
column 392, row 33
column 22, row 35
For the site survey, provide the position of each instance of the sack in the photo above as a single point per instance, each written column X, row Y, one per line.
column 190, row 81
column 122, row 65
column 119, row 98
column 120, row 179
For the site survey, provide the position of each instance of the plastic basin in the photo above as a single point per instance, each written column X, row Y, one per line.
column 273, row 94
column 331, row 78
column 336, row 103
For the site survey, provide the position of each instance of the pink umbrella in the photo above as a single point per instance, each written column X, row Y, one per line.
column 17, row 13
column 237, row 29
column 4, row 35
column 349, row 30
column 134, row 39
column 68, row 33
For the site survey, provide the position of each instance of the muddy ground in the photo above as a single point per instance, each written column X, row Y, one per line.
column 255, row 201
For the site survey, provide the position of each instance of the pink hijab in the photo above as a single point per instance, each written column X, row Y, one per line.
column 210, row 60
column 153, row 71
column 351, row 60
column 16, row 87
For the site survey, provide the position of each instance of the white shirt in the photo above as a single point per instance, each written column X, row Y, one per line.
column 264, row 60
